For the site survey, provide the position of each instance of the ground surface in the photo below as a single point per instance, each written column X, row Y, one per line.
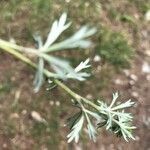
column 18, row 131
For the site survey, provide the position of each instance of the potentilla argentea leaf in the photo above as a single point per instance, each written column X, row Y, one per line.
column 92, row 132
column 57, row 28
column 127, row 104
column 78, row 40
column 113, row 117
column 115, row 96
column 74, row 134
column 82, row 65
column 38, row 81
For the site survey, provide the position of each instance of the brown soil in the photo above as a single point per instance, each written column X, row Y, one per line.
column 131, row 83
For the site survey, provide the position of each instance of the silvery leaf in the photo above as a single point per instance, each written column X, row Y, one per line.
column 39, row 75
column 57, row 28
column 78, row 40
column 74, row 134
column 115, row 96
column 91, row 131
column 63, row 66
column 82, row 65
column 127, row 104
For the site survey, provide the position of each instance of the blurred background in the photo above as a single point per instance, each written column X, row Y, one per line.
column 120, row 60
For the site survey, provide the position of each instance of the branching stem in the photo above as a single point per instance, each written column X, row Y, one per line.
column 47, row 73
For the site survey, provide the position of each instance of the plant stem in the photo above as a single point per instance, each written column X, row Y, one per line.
column 17, row 47
column 48, row 74
column 25, row 60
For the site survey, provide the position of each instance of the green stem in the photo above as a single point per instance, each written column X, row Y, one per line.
column 17, row 47
column 18, row 55
column 25, row 60
column 47, row 74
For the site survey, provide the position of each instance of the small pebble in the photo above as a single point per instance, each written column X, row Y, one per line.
column 136, row 16
column 89, row 96
column 147, row 15
column 99, row 68
column 147, row 52
column 24, row 112
column 57, row 103
column 37, row 117
column 14, row 116
column 126, row 72
column 87, row 4
column 145, row 67
column 97, row 58
column 51, row 103
column 67, row 1
column 78, row 147
column 134, row 77
column 131, row 82
column 137, row 138
column 4, row 145
column 135, row 94
column 148, row 77
column 118, row 82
